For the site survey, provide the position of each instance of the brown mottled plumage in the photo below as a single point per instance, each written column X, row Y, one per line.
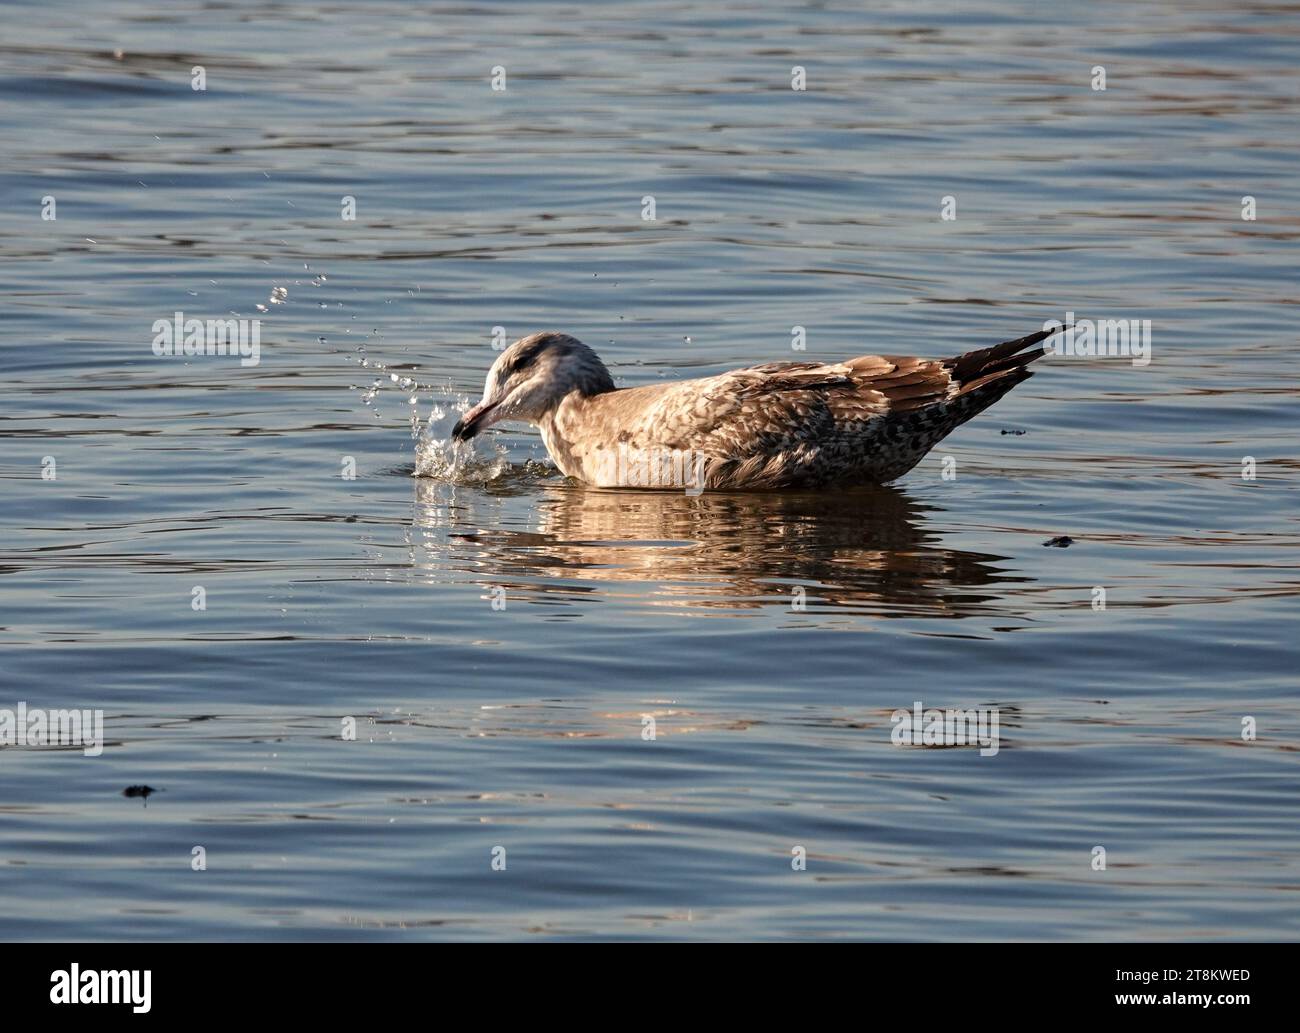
column 780, row 425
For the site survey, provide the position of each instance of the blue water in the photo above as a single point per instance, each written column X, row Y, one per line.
column 521, row 728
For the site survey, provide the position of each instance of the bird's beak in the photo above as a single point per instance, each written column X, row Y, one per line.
column 473, row 421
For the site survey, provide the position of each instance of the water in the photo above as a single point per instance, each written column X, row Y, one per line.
column 372, row 599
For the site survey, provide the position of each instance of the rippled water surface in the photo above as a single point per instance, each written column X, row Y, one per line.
column 770, row 637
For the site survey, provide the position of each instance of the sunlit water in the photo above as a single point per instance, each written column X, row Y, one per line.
column 379, row 598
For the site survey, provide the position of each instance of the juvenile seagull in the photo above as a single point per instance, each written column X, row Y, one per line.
column 779, row 425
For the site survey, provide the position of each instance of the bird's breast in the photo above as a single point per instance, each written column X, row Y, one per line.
column 579, row 442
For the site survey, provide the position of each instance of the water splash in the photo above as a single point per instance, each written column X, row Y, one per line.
column 437, row 456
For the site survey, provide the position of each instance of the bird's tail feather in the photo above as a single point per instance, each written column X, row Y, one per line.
column 1003, row 363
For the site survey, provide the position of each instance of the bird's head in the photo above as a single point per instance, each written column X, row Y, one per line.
column 530, row 379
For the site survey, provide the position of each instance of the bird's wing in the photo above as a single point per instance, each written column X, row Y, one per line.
column 782, row 423
column 771, row 408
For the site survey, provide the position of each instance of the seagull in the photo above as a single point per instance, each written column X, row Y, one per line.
column 777, row 426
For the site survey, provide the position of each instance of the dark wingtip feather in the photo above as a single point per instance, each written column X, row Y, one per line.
column 982, row 362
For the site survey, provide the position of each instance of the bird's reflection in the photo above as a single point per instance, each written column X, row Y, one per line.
column 869, row 551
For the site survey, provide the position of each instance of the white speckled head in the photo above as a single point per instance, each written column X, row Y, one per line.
column 531, row 378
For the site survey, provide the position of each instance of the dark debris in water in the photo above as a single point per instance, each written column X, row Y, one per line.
column 141, row 791
column 1061, row 542
column 1017, row 433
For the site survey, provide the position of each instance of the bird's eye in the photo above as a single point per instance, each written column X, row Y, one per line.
column 523, row 360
